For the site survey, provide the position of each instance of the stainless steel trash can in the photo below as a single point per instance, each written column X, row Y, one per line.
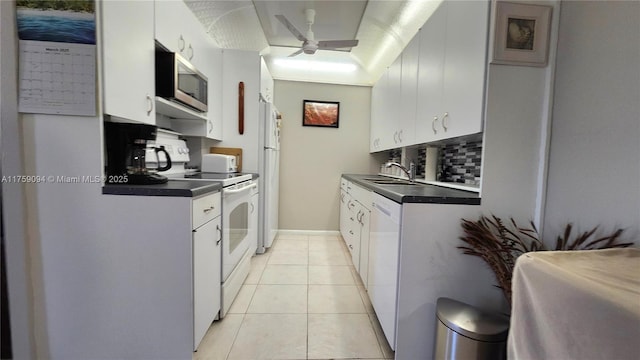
column 466, row 333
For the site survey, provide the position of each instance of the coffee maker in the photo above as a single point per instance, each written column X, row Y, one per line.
column 126, row 154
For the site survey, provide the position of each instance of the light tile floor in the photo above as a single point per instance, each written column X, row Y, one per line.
column 302, row 299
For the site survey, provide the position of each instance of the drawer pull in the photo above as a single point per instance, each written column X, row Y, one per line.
column 209, row 209
column 220, row 234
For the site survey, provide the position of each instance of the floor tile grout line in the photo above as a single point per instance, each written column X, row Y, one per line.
column 235, row 337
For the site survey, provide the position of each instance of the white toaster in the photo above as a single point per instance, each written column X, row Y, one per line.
column 219, row 163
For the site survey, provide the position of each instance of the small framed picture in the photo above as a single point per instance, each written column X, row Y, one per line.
column 320, row 113
column 521, row 34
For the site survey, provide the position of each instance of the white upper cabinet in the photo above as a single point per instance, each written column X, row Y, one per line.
column 128, row 53
column 377, row 98
column 435, row 89
column 178, row 30
column 430, row 76
column 452, row 70
column 408, row 92
column 392, row 135
column 465, row 67
column 214, row 73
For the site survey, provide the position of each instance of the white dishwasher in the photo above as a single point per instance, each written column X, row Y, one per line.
column 384, row 249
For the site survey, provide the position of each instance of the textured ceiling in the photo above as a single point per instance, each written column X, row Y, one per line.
column 383, row 28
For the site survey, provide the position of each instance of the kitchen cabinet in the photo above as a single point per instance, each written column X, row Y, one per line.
column 363, row 217
column 465, row 67
column 386, row 131
column 128, row 53
column 408, row 93
column 430, row 76
column 163, row 258
column 207, row 255
column 354, row 224
column 451, row 71
column 179, row 31
column 435, row 89
column 392, row 135
column 206, row 277
column 378, row 116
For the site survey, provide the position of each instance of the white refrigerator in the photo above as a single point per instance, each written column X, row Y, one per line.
column 268, row 168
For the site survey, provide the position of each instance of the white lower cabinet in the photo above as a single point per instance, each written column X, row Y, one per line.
column 354, row 224
column 207, row 257
column 206, row 277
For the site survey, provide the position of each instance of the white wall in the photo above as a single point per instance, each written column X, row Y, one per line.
column 594, row 164
column 312, row 159
column 13, row 202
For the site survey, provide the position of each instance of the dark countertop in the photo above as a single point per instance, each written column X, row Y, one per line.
column 179, row 188
column 421, row 193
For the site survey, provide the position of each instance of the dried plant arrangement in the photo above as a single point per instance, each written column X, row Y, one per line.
column 499, row 246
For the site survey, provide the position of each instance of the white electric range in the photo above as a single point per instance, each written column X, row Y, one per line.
column 239, row 212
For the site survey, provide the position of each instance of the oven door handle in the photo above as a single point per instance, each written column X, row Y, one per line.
column 237, row 191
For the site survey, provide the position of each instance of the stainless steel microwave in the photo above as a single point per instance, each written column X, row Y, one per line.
column 179, row 81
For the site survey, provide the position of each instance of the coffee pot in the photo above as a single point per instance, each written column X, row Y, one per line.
column 127, row 154
column 137, row 158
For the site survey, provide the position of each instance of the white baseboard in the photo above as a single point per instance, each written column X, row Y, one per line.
column 309, row 232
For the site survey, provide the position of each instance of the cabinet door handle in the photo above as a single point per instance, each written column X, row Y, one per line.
column 444, row 117
column 181, row 43
column 149, row 105
column 219, row 234
column 190, row 52
column 210, row 127
column 433, row 124
column 209, row 209
column 395, row 137
column 351, row 232
column 252, row 208
column 400, row 136
column 351, row 246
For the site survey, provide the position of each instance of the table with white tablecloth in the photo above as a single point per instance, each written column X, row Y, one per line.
column 582, row 305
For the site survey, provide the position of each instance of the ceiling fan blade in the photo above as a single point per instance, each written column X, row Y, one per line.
column 291, row 28
column 296, row 53
column 336, row 44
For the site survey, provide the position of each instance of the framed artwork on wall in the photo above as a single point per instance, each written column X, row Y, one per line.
column 521, row 34
column 320, row 113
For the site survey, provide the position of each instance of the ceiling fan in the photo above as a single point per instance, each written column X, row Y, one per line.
column 309, row 44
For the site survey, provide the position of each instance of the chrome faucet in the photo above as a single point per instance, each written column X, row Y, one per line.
column 411, row 171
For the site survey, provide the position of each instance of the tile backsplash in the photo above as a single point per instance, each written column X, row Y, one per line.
column 460, row 163
column 456, row 163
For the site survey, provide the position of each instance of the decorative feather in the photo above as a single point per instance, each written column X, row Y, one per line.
column 500, row 246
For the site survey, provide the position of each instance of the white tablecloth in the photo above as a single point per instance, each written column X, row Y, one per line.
column 581, row 305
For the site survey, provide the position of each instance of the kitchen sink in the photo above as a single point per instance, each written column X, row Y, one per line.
column 390, row 181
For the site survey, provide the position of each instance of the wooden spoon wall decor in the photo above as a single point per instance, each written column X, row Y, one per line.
column 241, row 107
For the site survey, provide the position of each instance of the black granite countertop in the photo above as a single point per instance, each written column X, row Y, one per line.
column 179, row 188
column 417, row 193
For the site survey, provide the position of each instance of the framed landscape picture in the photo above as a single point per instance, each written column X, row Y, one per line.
column 521, row 34
column 320, row 113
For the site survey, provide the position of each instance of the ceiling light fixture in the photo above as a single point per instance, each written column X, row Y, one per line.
column 314, row 65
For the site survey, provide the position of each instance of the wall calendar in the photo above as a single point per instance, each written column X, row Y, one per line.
column 57, row 72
